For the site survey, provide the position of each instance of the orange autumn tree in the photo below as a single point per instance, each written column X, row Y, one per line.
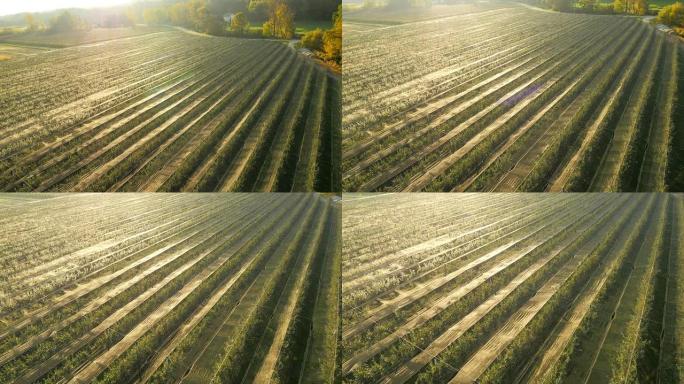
column 280, row 23
column 332, row 39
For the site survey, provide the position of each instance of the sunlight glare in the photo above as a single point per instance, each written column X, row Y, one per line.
column 10, row 7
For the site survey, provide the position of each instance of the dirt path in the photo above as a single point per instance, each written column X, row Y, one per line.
column 431, row 105
column 522, row 46
column 191, row 32
column 197, row 316
column 536, row 8
column 113, row 119
column 449, row 71
column 71, row 261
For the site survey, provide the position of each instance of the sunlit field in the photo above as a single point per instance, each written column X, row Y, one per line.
column 513, row 288
column 498, row 96
column 169, row 288
column 162, row 109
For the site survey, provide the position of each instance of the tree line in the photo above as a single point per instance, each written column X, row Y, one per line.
column 400, row 4
column 629, row 7
column 270, row 18
column 327, row 45
column 66, row 21
column 672, row 15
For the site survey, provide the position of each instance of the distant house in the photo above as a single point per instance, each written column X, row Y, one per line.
column 228, row 18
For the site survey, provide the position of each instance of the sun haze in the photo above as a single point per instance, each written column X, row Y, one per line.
column 13, row 7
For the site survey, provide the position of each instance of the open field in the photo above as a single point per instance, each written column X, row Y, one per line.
column 503, row 97
column 513, row 288
column 169, row 288
column 304, row 26
column 406, row 15
column 11, row 51
column 169, row 111
column 80, row 37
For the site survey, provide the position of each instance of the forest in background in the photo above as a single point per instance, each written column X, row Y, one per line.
column 317, row 22
column 670, row 13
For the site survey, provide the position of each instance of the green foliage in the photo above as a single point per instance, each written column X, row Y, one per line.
column 397, row 4
column 587, row 5
column 283, row 23
column 327, row 44
column 672, row 15
column 675, row 173
column 155, row 16
column 277, row 17
column 332, row 39
column 32, row 24
column 239, row 23
column 560, row 5
column 280, row 23
column 640, row 7
column 313, row 40
column 67, row 22
column 116, row 20
column 260, row 6
column 194, row 14
column 634, row 7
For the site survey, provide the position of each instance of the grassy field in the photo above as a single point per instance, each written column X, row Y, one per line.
column 169, row 288
column 410, row 15
column 652, row 4
column 301, row 27
column 657, row 4
column 12, row 51
column 552, row 102
column 81, row 37
column 512, row 288
column 169, row 111
column 304, row 26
